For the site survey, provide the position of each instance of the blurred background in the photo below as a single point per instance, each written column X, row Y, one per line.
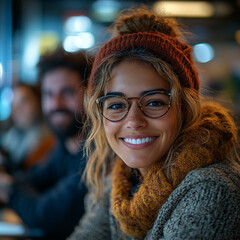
column 29, row 28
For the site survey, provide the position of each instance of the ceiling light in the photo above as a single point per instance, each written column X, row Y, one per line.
column 184, row 8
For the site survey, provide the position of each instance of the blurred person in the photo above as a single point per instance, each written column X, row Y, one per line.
column 29, row 139
column 164, row 164
column 50, row 197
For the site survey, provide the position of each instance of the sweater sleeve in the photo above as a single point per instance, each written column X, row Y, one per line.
column 95, row 223
column 209, row 210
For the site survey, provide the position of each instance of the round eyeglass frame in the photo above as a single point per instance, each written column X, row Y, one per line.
column 98, row 100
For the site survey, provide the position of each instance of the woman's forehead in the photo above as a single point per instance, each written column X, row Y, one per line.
column 135, row 76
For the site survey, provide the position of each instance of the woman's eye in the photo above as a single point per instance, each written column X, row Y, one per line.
column 156, row 104
column 116, row 106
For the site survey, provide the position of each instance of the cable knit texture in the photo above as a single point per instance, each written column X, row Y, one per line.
column 170, row 49
column 137, row 214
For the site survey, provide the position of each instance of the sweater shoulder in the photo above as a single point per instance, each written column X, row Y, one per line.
column 222, row 173
column 212, row 179
column 205, row 205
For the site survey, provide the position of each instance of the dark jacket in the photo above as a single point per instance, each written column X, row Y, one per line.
column 50, row 196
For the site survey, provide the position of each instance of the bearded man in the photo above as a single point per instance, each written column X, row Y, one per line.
column 50, row 196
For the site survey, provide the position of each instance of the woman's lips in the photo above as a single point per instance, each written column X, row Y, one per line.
column 138, row 142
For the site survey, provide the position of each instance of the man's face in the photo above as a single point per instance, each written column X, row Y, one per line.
column 60, row 102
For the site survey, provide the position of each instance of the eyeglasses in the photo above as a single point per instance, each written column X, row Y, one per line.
column 153, row 104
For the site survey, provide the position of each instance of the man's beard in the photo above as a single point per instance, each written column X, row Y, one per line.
column 72, row 129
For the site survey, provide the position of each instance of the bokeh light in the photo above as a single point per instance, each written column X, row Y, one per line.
column 81, row 41
column 76, row 24
column 6, row 96
column 1, row 74
column 203, row 52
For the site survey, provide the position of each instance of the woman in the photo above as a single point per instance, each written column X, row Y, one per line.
column 172, row 173
column 28, row 140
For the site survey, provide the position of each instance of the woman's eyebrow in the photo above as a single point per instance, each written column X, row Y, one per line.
column 142, row 93
column 116, row 94
column 152, row 90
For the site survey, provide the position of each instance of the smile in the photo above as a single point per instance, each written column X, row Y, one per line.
column 137, row 141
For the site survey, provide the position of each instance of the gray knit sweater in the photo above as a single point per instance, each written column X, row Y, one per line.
column 206, row 205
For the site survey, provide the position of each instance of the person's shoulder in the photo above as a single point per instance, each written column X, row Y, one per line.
column 9, row 135
column 215, row 183
column 205, row 201
column 220, row 174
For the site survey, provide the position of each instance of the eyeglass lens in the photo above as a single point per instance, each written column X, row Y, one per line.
column 153, row 105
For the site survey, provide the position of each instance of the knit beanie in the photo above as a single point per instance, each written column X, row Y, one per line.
column 164, row 45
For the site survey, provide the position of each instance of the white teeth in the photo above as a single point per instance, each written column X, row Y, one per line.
column 138, row 140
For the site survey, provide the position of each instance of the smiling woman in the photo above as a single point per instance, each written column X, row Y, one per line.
column 158, row 129
column 163, row 160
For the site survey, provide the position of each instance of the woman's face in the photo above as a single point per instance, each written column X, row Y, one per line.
column 155, row 135
column 26, row 107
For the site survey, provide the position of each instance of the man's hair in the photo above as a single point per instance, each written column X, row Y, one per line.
column 80, row 62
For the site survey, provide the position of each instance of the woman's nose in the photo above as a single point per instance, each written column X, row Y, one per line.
column 135, row 118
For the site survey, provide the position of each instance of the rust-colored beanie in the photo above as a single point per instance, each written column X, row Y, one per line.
column 168, row 48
